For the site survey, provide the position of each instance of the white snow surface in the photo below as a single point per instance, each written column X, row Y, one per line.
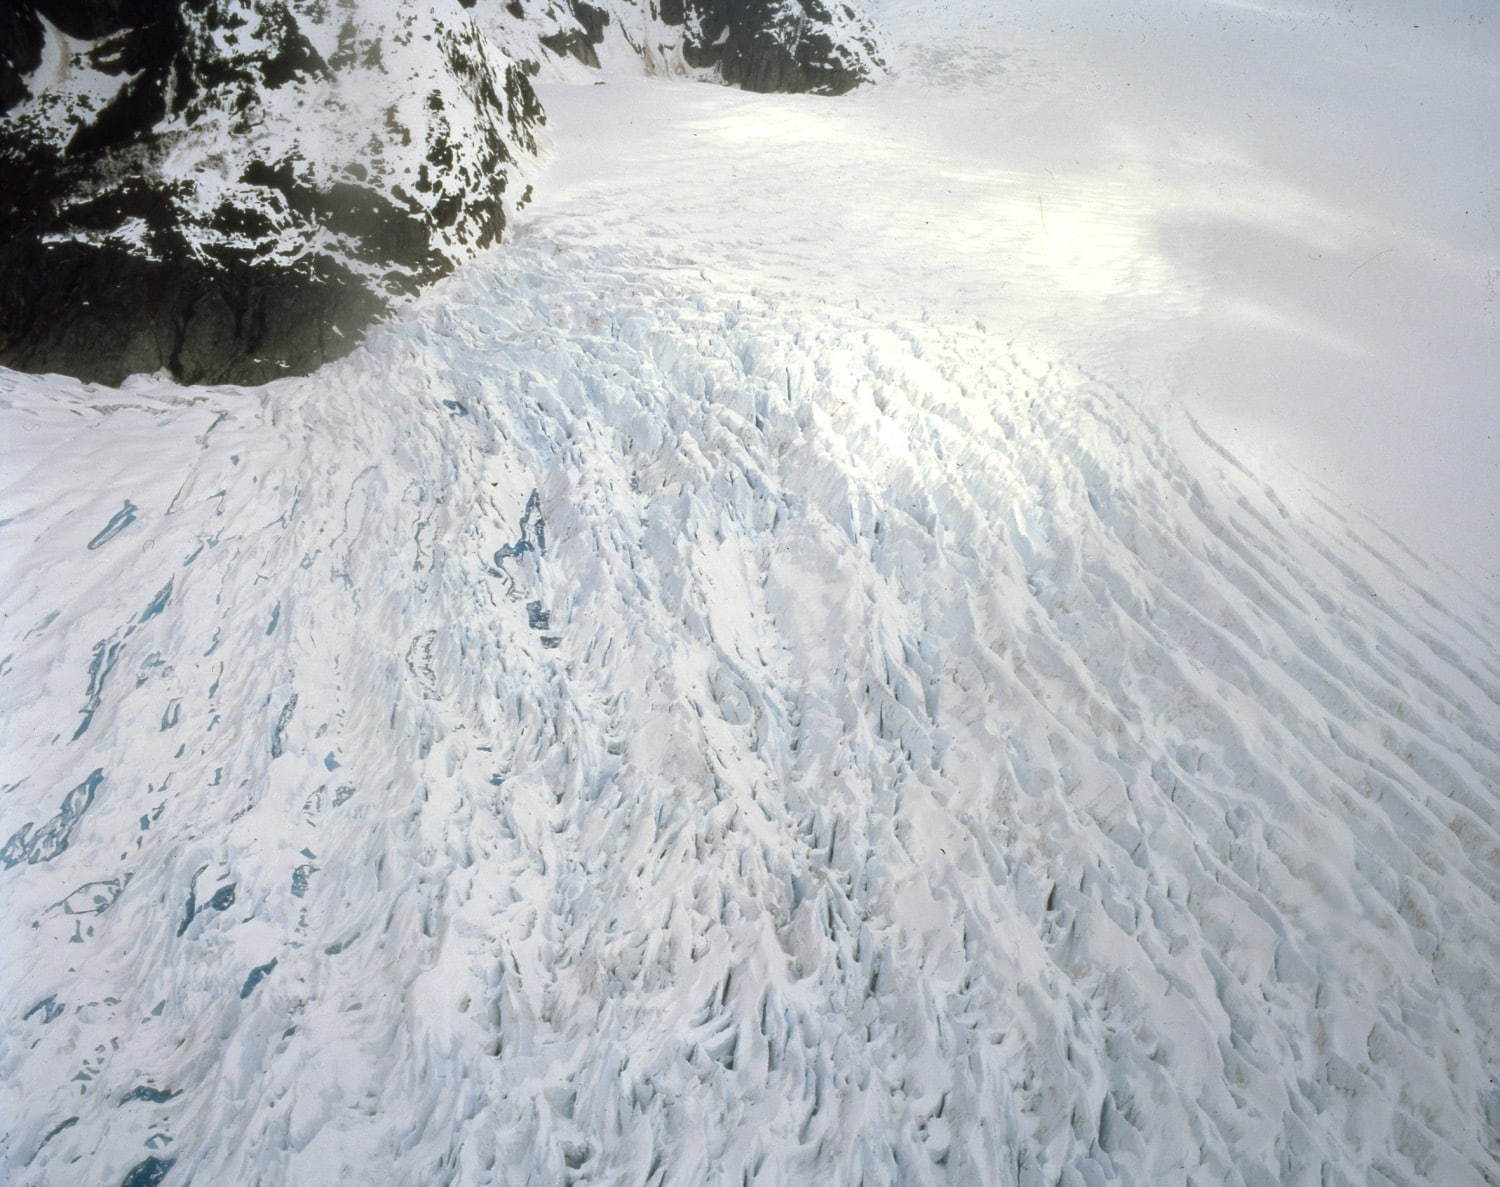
column 882, row 751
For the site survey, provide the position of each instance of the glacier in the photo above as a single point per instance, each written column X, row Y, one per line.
column 709, row 695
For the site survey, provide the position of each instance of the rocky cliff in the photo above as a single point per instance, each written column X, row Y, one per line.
column 233, row 190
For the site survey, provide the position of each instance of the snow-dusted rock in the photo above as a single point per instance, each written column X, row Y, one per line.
column 776, row 45
column 760, row 45
column 233, row 190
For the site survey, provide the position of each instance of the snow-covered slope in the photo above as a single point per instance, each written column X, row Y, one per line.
column 668, row 711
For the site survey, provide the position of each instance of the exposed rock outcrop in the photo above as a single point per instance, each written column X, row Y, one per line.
column 760, row 45
column 771, row 45
column 234, row 189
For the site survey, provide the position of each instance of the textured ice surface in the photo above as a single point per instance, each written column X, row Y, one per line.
column 652, row 718
column 938, row 776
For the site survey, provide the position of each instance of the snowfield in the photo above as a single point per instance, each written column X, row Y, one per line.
column 742, row 684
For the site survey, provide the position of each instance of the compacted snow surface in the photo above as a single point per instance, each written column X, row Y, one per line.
column 726, row 692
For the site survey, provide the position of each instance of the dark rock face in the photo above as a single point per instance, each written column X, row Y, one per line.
column 578, row 37
column 102, row 313
column 20, row 52
column 233, row 190
column 760, row 45
column 770, row 45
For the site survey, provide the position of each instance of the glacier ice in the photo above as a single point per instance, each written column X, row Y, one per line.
column 939, row 775
column 641, row 720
